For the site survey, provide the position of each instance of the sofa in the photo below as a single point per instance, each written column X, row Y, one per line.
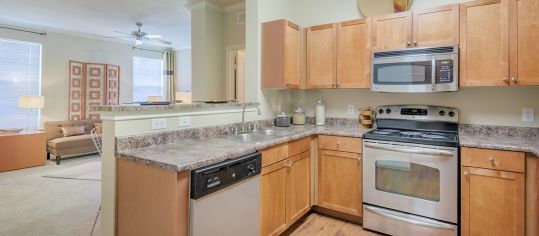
column 61, row 146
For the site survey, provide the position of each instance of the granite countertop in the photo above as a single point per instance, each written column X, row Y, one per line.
column 169, row 108
column 192, row 154
column 507, row 143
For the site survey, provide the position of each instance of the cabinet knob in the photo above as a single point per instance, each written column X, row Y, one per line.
column 505, row 79
column 465, row 173
column 408, row 43
column 492, row 160
column 514, row 79
column 415, row 43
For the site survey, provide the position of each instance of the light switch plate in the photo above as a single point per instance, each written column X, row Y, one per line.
column 351, row 110
column 159, row 123
column 528, row 115
column 184, row 121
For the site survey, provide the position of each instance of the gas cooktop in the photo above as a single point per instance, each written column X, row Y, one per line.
column 414, row 136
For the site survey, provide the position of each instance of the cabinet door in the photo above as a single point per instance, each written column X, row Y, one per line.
column 292, row 55
column 436, row 26
column 524, row 46
column 393, row 31
column 298, row 187
column 484, row 43
column 273, row 199
column 339, row 181
column 492, row 202
column 321, row 56
column 354, row 54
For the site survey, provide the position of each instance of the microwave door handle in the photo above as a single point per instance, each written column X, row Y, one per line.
column 406, row 150
column 433, row 75
column 407, row 219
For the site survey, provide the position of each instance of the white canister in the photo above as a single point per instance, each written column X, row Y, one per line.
column 320, row 113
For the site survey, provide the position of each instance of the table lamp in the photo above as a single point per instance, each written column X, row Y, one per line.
column 32, row 102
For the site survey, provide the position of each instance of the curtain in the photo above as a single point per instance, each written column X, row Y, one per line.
column 169, row 71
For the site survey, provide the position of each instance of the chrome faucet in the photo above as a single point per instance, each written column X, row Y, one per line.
column 243, row 116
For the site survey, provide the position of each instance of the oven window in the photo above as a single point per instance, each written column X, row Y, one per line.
column 403, row 73
column 408, row 179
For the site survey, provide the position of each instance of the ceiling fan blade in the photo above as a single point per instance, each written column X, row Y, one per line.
column 154, row 36
column 159, row 41
column 120, row 32
column 118, row 37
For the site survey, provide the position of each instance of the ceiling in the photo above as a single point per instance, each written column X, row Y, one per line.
column 101, row 18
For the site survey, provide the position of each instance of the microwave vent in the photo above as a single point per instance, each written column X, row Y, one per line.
column 416, row 51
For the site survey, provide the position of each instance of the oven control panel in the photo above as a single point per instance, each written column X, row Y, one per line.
column 418, row 112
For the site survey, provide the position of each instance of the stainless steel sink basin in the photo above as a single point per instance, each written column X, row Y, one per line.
column 250, row 137
column 274, row 132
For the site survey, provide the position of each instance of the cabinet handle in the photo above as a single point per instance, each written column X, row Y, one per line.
column 338, row 143
column 415, row 43
column 514, row 79
column 505, row 79
column 492, row 160
column 465, row 173
column 408, row 43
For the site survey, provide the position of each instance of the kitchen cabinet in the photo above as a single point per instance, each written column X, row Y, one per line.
column 503, row 51
column 281, row 54
column 339, row 181
column 321, row 56
column 273, row 198
column 492, row 198
column 285, row 187
column 354, row 54
column 423, row 28
column 524, row 50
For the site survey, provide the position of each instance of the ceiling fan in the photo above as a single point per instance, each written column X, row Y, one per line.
column 141, row 36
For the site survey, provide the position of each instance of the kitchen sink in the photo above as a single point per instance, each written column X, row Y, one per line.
column 250, row 137
column 273, row 132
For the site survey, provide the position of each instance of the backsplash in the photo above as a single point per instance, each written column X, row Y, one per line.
column 493, row 130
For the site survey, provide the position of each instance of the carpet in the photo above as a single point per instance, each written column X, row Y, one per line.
column 86, row 171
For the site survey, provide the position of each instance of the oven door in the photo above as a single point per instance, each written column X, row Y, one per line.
column 413, row 178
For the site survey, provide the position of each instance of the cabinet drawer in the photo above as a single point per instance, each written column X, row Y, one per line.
column 337, row 143
column 274, row 154
column 299, row 146
column 493, row 159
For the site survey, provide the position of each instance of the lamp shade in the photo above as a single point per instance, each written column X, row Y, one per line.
column 31, row 102
column 184, row 96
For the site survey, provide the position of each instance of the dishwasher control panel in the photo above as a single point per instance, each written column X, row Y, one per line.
column 210, row 179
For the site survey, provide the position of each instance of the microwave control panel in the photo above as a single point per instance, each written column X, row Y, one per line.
column 444, row 71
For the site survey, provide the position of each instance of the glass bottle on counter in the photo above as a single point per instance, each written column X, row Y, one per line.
column 299, row 116
column 320, row 113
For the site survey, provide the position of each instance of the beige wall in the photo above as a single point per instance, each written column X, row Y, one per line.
column 58, row 49
column 183, row 68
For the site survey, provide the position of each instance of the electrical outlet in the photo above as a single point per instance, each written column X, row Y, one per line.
column 351, row 110
column 159, row 123
column 528, row 115
column 184, row 121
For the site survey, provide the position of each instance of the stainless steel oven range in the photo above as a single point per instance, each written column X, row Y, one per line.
column 410, row 171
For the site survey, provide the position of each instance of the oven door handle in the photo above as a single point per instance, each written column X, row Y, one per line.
column 406, row 150
column 404, row 218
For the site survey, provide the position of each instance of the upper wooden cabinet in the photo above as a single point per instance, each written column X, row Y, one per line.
column 436, row 26
column 424, row 28
column 393, row 31
column 484, row 44
column 498, row 43
column 281, row 54
column 354, row 54
column 321, row 56
column 524, row 52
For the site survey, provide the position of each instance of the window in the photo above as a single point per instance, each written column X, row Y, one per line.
column 147, row 78
column 20, row 75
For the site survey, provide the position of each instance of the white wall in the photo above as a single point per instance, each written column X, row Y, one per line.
column 58, row 49
column 183, row 68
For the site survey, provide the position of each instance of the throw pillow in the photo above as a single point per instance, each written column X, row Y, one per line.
column 73, row 131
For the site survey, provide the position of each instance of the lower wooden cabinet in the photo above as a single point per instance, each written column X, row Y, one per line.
column 340, row 181
column 492, row 200
column 285, row 193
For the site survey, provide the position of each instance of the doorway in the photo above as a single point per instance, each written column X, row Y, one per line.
column 235, row 79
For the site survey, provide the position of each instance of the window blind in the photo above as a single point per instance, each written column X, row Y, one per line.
column 20, row 75
column 147, row 78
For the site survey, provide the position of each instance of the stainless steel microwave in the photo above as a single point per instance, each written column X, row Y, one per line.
column 433, row 69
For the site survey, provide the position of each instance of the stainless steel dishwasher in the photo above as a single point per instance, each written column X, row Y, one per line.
column 225, row 198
